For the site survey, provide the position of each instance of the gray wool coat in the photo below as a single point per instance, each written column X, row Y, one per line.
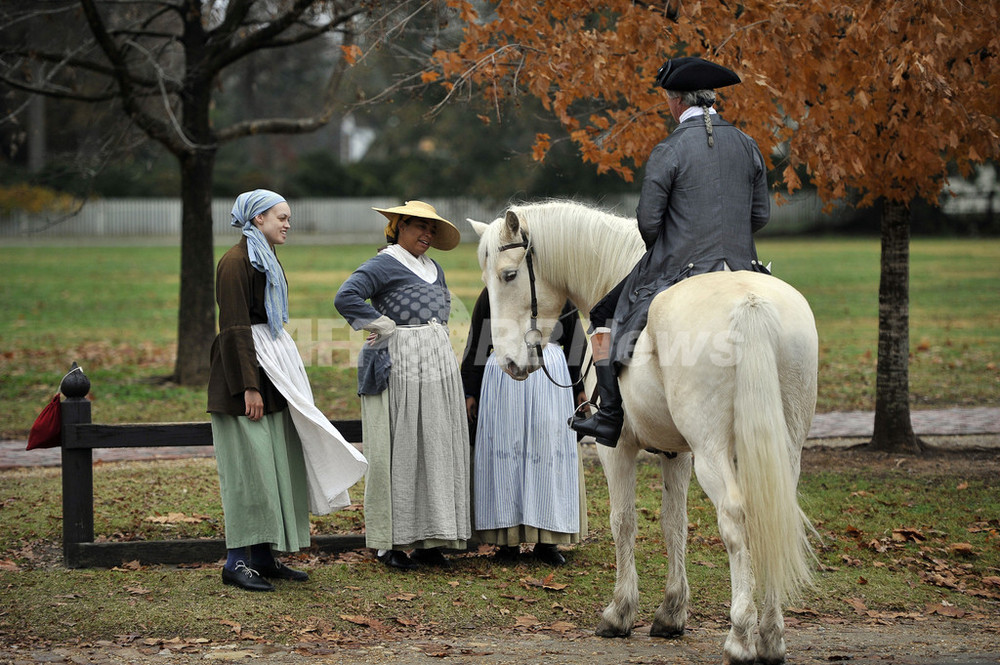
column 698, row 210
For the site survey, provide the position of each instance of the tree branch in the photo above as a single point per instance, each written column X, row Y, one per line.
column 86, row 65
column 156, row 129
column 223, row 52
column 236, row 11
column 54, row 93
column 292, row 125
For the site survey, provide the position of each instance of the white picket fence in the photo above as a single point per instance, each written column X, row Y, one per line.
column 344, row 221
column 347, row 220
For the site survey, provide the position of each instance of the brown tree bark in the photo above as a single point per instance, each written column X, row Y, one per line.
column 196, row 313
column 893, row 430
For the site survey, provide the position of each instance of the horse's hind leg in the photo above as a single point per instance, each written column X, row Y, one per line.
column 771, row 636
column 619, row 469
column 716, row 476
column 672, row 613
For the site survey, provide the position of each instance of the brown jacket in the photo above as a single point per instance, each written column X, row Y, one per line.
column 239, row 292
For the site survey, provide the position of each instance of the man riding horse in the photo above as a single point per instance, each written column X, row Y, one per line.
column 703, row 196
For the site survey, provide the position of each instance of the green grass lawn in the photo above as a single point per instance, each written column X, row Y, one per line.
column 114, row 310
column 894, row 538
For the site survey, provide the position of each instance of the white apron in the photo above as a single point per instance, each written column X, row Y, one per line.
column 332, row 464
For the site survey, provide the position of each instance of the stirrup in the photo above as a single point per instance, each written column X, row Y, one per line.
column 577, row 415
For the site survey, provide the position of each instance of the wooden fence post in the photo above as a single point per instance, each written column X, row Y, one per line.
column 77, row 467
column 79, row 438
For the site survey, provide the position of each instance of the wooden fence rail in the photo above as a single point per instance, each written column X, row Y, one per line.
column 79, row 439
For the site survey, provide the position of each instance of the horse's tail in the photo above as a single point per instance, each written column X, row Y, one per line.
column 776, row 528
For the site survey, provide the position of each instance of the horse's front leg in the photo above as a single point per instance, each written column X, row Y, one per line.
column 619, row 470
column 672, row 614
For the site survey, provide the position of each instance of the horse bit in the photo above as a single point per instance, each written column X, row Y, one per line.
column 533, row 337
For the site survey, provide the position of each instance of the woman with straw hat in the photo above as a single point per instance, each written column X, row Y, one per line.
column 412, row 403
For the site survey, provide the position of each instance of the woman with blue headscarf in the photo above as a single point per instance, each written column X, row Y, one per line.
column 278, row 456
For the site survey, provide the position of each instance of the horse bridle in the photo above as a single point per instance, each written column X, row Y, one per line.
column 533, row 336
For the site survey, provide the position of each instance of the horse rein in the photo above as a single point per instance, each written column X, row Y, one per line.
column 533, row 336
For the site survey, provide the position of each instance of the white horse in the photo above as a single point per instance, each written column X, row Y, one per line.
column 724, row 374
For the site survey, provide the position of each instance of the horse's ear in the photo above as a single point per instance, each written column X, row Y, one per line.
column 511, row 224
column 478, row 227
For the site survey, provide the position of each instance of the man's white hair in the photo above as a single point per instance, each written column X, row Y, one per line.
column 693, row 97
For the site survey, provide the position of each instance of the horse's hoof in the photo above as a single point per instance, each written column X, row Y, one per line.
column 667, row 632
column 605, row 629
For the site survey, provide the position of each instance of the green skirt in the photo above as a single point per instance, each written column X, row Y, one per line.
column 262, row 479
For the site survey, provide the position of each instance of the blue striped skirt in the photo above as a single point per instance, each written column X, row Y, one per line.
column 526, row 469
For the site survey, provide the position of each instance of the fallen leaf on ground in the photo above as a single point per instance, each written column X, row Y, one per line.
column 434, row 650
column 363, row 621
column 907, row 534
column 858, row 605
column 560, row 626
column 545, row 583
column 235, row 627
column 129, row 565
column 176, row 518
column 944, row 610
column 229, row 655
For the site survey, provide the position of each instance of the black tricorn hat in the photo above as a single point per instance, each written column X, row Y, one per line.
column 691, row 73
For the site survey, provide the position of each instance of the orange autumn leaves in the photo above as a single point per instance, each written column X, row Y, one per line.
column 877, row 98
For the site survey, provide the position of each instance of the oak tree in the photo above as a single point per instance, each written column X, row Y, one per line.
column 870, row 101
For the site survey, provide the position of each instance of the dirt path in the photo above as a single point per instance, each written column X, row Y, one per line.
column 922, row 642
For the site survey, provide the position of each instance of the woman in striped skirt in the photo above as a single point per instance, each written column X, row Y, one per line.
column 528, row 483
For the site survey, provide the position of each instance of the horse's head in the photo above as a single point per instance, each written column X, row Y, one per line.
column 524, row 307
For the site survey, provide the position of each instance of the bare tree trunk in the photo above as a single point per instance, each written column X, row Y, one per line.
column 37, row 134
column 196, row 315
column 893, row 429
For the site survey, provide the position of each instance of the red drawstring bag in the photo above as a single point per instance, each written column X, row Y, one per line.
column 46, row 432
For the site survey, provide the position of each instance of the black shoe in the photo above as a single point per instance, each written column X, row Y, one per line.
column 549, row 554
column 606, row 424
column 430, row 557
column 245, row 578
column 507, row 554
column 396, row 559
column 279, row 571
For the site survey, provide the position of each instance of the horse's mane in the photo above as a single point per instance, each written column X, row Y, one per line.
column 584, row 249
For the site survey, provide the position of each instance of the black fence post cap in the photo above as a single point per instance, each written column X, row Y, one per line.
column 75, row 384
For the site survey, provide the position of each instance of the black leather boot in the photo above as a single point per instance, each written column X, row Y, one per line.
column 606, row 424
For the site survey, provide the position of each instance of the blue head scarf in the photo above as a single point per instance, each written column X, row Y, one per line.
column 248, row 205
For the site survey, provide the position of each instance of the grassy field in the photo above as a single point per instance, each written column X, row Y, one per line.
column 114, row 311
column 899, row 539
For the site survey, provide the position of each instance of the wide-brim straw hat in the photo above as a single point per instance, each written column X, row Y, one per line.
column 447, row 236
